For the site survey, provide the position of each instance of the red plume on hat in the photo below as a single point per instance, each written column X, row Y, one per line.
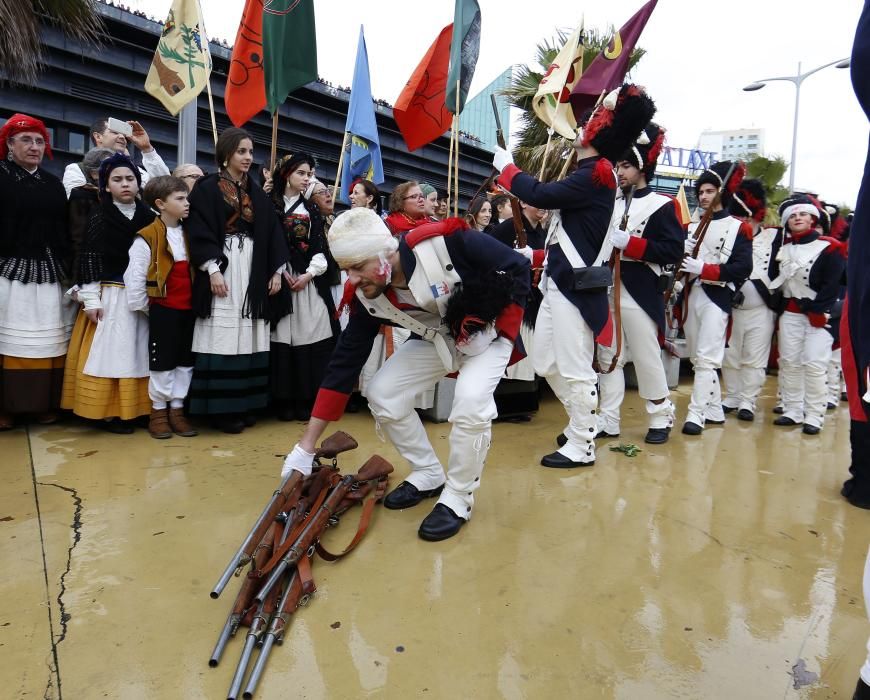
column 18, row 124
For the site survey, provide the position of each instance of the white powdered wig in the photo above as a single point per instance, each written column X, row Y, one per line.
column 359, row 235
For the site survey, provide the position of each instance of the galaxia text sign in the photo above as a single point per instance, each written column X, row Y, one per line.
column 689, row 158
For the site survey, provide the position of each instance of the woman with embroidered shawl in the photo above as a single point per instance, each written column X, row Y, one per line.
column 239, row 250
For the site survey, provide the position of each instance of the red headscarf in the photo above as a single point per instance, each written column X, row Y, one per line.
column 18, row 124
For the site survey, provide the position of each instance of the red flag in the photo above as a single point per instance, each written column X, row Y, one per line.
column 420, row 112
column 245, row 95
column 608, row 69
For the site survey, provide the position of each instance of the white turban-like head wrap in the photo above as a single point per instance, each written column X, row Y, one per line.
column 359, row 235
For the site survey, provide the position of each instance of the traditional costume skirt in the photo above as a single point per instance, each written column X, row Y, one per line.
column 107, row 364
column 302, row 344
column 36, row 321
column 231, row 370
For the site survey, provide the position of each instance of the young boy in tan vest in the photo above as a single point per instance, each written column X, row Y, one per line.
column 158, row 281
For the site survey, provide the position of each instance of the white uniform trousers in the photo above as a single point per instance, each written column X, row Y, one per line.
column 836, row 385
column 705, row 327
column 804, row 354
column 563, row 348
column 747, row 355
column 415, row 367
column 640, row 345
column 169, row 387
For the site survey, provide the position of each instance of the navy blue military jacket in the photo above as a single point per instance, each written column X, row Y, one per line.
column 585, row 199
column 473, row 255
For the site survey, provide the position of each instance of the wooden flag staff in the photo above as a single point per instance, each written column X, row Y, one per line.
column 211, row 111
column 273, row 158
column 450, row 166
column 340, row 165
column 456, row 156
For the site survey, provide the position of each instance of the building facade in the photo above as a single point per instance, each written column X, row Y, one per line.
column 81, row 84
column 478, row 120
column 733, row 144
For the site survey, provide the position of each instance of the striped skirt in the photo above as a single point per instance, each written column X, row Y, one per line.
column 30, row 385
column 229, row 383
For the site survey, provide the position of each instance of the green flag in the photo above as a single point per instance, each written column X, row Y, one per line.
column 289, row 48
column 464, row 49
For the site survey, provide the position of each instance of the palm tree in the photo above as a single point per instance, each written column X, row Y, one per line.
column 770, row 170
column 20, row 41
column 529, row 152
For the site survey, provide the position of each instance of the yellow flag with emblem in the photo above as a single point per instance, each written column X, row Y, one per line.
column 182, row 62
column 683, row 202
column 551, row 100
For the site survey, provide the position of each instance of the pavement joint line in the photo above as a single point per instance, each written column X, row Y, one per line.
column 44, row 574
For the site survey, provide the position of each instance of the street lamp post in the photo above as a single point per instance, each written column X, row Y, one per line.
column 797, row 80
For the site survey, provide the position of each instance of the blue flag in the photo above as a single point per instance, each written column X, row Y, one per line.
column 363, row 159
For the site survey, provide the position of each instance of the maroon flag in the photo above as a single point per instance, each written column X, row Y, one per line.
column 608, row 69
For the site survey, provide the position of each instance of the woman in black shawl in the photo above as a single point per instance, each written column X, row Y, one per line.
column 302, row 342
column 239, row 251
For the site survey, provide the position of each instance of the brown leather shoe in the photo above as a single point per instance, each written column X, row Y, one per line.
column 7, row 422
column 158, row 424
column 179, row 424
column 48, row 418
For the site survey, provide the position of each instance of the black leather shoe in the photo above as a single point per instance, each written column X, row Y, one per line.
column 604, row 434
column 249, row 420
column 690, row 428
column 858, row 497
column 561, row 440
column 229, row 423
column 831, row 405
column 441, row 524
column 811, row 429
column 118, row 426
column 557, row 460
column 657, row 436
column 727, row 409
column 779, row 410
column 844, row 396
column 784, row 420
column 745, row 414
column 862, row 691
column 710, row 421
column 407, row 495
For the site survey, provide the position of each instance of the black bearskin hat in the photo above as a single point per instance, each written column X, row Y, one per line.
column 644, row 153
column 750, row 200
column 615, row 124
column 476, row 304
column 715, row 175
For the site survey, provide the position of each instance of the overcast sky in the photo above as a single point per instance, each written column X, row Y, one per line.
column 699, row 56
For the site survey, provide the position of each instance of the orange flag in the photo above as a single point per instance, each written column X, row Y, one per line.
column 420, row 112
column 245, row 95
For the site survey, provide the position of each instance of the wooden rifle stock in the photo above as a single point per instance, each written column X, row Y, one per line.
column 335, row 444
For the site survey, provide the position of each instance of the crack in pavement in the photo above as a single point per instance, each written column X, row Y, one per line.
column 77, row 536
column 76, row 526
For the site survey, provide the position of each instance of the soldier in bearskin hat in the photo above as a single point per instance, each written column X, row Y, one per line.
column 575, row 310
column 653, row 238
column 755, row 307
column 723, row 262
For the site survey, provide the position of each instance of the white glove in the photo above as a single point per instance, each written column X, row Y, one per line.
column 692, row 266
column 478, row 342
column 526, row 252
column 619, row 238
column 788, row 269
column 678, row 287
column 689, row 246
column 501, row 159
column 298, row 459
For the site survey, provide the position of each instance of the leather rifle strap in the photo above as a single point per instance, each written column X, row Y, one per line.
column 615, row 262
column 365, row 518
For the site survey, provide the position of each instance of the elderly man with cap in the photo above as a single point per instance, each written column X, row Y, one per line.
column 755, row 307
column 810, row 269
column 652, row 237
column 723, row 262
column 461, row 295
column 574, row 310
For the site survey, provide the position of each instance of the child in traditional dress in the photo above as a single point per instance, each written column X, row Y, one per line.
column 106, row 376
column 158, row 281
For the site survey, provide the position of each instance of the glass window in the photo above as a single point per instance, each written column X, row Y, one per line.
column 76, row 142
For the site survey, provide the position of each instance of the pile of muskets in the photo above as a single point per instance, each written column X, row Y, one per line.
column 280, row 546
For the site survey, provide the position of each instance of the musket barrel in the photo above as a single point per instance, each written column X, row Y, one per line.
column 226, row 633
column 239, row 675
column 259, row 667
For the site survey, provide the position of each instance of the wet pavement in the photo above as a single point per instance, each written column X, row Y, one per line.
column 722, row 566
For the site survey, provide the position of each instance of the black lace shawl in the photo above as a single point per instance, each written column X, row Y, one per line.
column 109, row 234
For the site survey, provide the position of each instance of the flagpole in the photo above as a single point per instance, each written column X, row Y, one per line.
column 547, row 147
column 456, row 156
column 450, row 167
column 211, row 110
column 274, row 154
column 340, row 165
